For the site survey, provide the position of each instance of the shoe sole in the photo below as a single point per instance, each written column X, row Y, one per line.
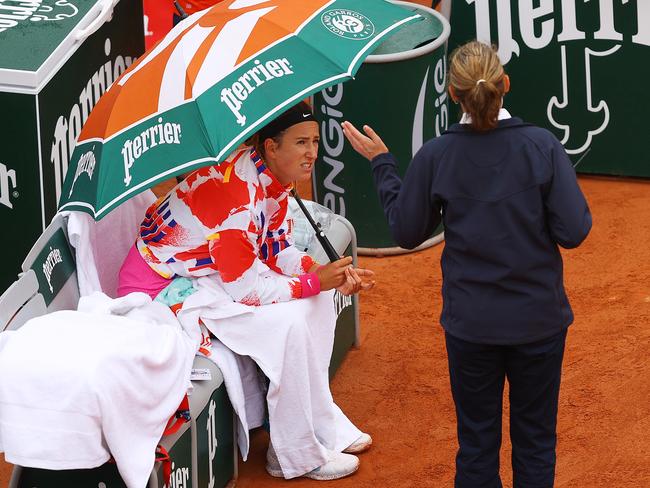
column 277, row 473
column 359, row 449
column 318, row 477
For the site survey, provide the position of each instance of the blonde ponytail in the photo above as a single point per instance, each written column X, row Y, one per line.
column 478, row 81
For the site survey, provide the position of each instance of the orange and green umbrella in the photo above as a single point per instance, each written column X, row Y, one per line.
column 212, row 82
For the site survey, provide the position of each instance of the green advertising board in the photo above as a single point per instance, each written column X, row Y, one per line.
column 578, row 69
column 345, row 332
column 214, row 441
column 53, row 266
column 400, row 91
column 57, row 58
column 180, row 457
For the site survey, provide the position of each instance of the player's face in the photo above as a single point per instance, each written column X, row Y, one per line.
column 293, row 157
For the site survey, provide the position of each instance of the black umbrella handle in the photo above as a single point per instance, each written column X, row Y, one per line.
column 320, row 235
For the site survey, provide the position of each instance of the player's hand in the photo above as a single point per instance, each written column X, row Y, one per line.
column 369, row 145
column 333, row 275
column 357, row 279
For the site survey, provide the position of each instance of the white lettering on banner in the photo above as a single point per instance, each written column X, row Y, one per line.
column 67, row 129
column 440, row 103
column 601, row 107
column 212, row 441
column 442, row 107
column 147, row 32
column 417, row 133
column 250, row 80
column 86, row 165
column 7, row 185
column 333, row 142
column 179, row 478
column 538, row 25
column 12, row 12
column 507, row 45
column 527, row 17
column 341, row 302
column 53, row 258
column 133, row 149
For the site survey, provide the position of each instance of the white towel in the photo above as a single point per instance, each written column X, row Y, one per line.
column 100, row 247
column 245, row 389
column 79, row 386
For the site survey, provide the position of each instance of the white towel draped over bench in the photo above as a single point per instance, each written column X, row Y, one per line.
column 79, row 386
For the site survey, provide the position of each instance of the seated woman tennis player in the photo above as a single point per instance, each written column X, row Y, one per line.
column 229, row 222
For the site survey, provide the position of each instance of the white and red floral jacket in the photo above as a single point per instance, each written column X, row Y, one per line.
column 229, row 219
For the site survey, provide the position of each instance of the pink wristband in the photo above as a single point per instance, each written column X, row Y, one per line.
column 310, row 285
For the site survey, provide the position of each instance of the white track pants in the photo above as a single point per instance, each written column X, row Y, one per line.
column 292, row 343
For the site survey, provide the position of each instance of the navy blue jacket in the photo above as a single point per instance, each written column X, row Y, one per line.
column 507, row 197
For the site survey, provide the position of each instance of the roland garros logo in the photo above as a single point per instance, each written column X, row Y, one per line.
column 348, row 24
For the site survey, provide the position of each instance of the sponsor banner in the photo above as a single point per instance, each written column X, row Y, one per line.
column 180, row 456
column 566, row 60
column 214, row 440
column 43, row 122
column 345, row 332
column 53, row 266
column 68, row 99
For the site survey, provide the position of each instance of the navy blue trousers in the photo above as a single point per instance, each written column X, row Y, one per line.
column 477, row 373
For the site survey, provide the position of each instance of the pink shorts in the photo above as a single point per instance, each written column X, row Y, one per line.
column 137, row 275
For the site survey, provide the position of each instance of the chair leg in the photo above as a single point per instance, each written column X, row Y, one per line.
column 15, row 477
column 235, row 457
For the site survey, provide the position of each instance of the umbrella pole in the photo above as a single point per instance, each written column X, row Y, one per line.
column 181, row 13
column 320, row 235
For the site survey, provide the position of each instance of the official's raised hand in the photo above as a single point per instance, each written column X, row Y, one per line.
column 369, row 145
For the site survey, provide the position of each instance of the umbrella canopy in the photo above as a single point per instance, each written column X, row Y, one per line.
column 213, row 81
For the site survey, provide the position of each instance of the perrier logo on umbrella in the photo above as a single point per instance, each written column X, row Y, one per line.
column 213, row 81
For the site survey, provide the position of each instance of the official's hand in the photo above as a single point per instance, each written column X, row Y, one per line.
column 333, row 275
column 357, row 279
column 369, row 145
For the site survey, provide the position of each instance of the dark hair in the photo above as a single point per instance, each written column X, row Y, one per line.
column 478, row 80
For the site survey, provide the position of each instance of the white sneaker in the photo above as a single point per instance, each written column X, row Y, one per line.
column 338, row 466
column 272, row 464
column 363, row 443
